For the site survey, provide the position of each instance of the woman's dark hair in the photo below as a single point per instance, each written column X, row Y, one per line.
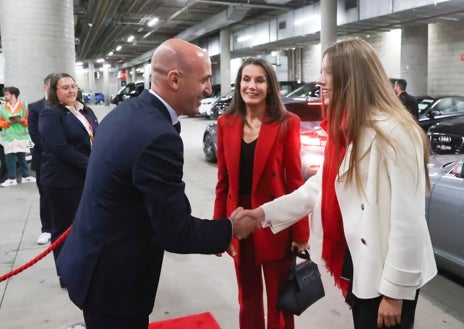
column 52, row 96
column 276, row 109
column 11, row 90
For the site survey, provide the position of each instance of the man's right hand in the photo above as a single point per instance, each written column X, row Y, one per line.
column 245, row 221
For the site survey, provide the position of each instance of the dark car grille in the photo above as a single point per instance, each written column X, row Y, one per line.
column 447, row 143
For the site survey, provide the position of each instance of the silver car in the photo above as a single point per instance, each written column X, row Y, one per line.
column 445, row 211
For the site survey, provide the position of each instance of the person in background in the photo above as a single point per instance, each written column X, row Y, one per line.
column 16, row 140
column 408, row 101
column 258, row 160
column 368, row 224
column 134, row 206
column 67, row 128
column 33, row 120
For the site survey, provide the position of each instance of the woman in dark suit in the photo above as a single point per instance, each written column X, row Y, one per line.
column 259, row 160
column 67, row 127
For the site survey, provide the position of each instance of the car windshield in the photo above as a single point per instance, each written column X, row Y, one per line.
column 443, row 105
column 424, row 104
column 310, row 89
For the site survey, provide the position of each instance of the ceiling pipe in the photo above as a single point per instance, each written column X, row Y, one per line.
column 216, row 22
column 105, row 10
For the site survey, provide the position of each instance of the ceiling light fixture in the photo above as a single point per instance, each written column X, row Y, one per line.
column 130, row 38
column 118, row 48
column 244, row 38
column 153, row 21
column 304, row 20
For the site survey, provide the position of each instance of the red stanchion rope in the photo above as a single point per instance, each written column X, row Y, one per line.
column 37, row 258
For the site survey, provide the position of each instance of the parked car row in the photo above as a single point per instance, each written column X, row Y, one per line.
column 207, row 102
column 304, row 102
column 130, row 90
column 443, row 119
column 98, row 98
column 433, row 110
column 213, row 108
column 444, row 205
column 445, row 212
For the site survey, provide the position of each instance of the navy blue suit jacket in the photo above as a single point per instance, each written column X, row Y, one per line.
column 33, row 126
column 66, row 147
column 133, row 208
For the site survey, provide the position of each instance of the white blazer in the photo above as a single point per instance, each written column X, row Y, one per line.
column 385, row 225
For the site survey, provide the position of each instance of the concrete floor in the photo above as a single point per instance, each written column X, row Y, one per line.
column 189, row 284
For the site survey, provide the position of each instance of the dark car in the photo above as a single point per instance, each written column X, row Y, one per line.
column 286, row 87
column 222, row 103
column 306, row 92
column 206, row 103
column 98, row 98
column 437, row 109
column 303, row 98
column 132, row 89
column 445, row 212
column 447, row 137
column 313, row 137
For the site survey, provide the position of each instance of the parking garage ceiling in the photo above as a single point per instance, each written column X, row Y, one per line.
column 103, row 25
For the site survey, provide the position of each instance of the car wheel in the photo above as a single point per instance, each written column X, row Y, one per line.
column 209, row 149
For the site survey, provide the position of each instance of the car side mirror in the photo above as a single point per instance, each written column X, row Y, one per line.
column 431, row 115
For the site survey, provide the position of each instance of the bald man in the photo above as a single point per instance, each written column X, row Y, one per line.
column 133, row 206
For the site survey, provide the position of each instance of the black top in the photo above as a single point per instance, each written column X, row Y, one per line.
column 410, row 103
column 247, row 159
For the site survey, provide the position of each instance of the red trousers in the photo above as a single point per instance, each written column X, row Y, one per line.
column 250, row 289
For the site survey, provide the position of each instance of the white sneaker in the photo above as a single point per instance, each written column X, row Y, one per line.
column 44, row 237
column 28, row 179
column 9, row 182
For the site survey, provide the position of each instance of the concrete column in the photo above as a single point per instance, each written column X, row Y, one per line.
column 92, row 82
column 147, row 75
column 133, row 74
column 106, row 83
column 224, row 40
column 37, row 39
column 328, row 23
column 414, row 59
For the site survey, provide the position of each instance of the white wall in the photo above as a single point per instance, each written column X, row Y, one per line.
column 445, row 67
column 2, row 68
column 388, row 48
column 311, row 62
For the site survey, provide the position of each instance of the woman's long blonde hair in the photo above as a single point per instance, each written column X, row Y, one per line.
column 360, row 90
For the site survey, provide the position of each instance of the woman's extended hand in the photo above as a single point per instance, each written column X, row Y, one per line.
column 389, row 312
column 301, row 246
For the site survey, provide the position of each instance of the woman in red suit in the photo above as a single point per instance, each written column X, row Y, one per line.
column 259, row 160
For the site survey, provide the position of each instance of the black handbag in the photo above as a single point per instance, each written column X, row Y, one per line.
column 303, row 287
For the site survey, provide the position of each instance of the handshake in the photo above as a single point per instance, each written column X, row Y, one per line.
column 246, row 221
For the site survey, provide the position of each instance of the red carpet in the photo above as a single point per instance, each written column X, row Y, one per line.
column 195, row 321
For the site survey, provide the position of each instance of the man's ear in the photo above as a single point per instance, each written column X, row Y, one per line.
column 173, row 79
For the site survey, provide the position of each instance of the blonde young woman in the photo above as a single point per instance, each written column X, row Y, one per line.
column 368, row 225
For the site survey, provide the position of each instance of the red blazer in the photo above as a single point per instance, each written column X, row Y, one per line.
column 277, row 171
